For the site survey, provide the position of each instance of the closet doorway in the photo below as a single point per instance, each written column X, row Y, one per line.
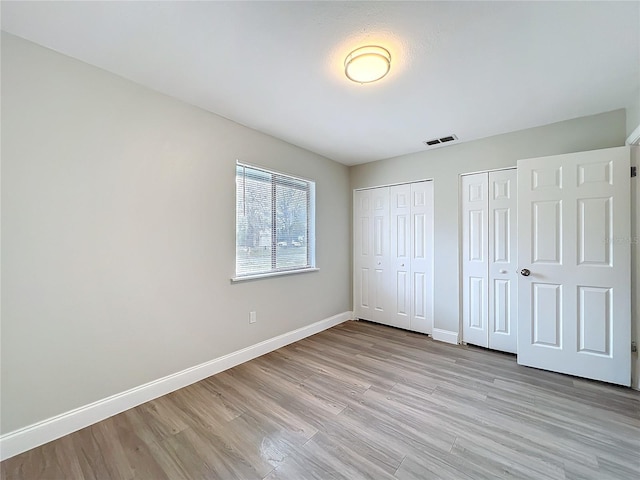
column 489, row 259
column 393, row 255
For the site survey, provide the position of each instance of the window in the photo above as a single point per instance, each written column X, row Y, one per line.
column 274, row 222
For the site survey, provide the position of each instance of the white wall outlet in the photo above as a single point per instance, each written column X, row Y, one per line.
column 252, row 317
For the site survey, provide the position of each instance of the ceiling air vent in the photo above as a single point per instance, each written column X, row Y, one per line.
column 438, row 141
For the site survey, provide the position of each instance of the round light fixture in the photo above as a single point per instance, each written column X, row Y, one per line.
column 367, row 64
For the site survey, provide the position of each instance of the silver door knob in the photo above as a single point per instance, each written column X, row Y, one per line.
column 525, row 272
column 502, row 271
column 402, row 265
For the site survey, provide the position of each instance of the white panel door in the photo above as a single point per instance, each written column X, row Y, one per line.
column 363, row 254
column 475, row 259
column 399, row 277
column 574, row 231
column 422, row 257
column 381, row 299
column 503, row 275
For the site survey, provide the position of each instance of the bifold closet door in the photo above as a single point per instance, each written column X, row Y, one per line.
column 503, row 274
column 371, row 256
column 422, row 257
column 475, row 259
column 362, row 253
column 489, row 276
column 393, row 255
column 400, row 263
column 382, row 298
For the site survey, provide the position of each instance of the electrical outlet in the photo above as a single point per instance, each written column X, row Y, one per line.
column 252, row 317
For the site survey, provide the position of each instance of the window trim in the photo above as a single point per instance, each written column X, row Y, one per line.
column 279, row 273
column 280, row 178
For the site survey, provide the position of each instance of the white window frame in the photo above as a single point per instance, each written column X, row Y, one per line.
column 279, row 178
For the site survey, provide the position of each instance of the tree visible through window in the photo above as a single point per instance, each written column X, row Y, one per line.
column 274, row 222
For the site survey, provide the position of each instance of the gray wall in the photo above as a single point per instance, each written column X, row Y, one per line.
column 444, row 165
column 633, row 112
column 118, row 236
column 633, row 119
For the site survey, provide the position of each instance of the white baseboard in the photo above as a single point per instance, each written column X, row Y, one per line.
column 26, row 438
column 445, row 336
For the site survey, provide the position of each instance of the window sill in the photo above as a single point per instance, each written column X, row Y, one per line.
column 259, row 276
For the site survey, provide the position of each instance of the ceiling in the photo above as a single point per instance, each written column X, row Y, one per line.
column 473, row 69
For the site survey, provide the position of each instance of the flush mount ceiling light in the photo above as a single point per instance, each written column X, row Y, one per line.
column 367, row 64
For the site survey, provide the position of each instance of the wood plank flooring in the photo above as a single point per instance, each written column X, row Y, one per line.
column 361, row 401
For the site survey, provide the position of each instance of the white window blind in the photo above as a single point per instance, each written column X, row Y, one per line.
column 274, row 222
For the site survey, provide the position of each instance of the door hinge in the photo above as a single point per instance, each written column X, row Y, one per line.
column 634, row 171
column 634, row 347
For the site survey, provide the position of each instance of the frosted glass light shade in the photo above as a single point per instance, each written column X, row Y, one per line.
column 367, row 64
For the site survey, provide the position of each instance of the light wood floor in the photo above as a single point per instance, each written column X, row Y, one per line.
column 361, row 401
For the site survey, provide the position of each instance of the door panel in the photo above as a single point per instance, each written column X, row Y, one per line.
column 477, row 305
column 379, row 226
column 475, row 258
column 503, row 276
column 547, row 314
column 501, row 235
column 400, row 261
column 477, row 231
column 421, row 250
column 402, row 294
column 594, row 222
column 365, row 236
column 501, row 301
column 546, row 178
column 421, row 319
column 364, row 288
column 547, row 234
column 383, row 299
column 574, row 308
column 594, row 320
column 362, row 255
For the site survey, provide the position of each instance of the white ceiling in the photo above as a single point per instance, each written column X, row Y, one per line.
column 473, row 69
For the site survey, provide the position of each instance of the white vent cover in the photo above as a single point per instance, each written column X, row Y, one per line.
column 440, row 141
